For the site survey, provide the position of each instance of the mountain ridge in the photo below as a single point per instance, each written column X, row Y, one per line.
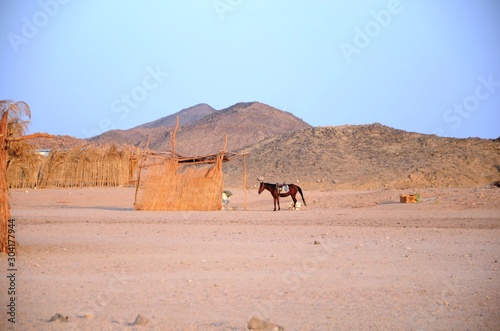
column 186, row 116
column 370, row 156
column 282, row 147
column 202, row 128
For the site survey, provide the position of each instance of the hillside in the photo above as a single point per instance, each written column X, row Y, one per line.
column 369, row 156
column 58, row 142
column 186, row 116
column 158, row 130
column 244, row 124
column 282, row 147
column 202, row 129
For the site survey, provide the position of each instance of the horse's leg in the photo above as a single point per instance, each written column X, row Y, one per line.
column 294, row 200
column 274, row 200
column 278, row 198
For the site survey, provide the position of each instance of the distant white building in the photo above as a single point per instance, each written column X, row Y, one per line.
column 43, row 152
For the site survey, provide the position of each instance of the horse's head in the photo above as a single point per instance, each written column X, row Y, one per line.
column 261, row 187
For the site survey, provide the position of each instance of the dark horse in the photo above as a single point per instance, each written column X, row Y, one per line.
column 273, row 188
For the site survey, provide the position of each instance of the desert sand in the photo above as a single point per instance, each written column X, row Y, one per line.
column 350, row 260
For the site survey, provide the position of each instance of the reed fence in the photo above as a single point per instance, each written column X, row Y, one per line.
column 85, row 166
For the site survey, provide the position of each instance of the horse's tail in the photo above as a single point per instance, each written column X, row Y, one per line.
column 302, row 195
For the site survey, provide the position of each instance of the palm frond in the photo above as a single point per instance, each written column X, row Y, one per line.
column 16, row 109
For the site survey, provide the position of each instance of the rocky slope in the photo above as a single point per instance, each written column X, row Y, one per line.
column 370, row 156
column 202, row 129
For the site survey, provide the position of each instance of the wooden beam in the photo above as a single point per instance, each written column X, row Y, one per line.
column 30, row 136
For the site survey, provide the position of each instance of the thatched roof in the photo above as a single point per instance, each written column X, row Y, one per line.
column 206, row 159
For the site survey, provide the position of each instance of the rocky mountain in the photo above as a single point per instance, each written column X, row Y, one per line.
column 186, row 116
column 202, row 129
column 369, row 156
column 154, row 131
column 283, row 148
column 243, row 123
column 58, row 142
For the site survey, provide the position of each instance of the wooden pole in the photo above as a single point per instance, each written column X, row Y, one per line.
column 225, row 144
column 4, row 203
column 220, row 163
column 245, row 181
column 143, row 159
column 173, row 136
column 147, row 144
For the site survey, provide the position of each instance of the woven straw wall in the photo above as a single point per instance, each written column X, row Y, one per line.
column 86, row 166
column 166, row 184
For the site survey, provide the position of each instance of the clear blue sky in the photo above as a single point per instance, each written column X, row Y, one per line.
column 88, row 66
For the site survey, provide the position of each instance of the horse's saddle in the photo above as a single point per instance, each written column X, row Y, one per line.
column 282, row 188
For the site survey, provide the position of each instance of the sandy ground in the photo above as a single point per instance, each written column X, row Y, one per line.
column 351, row 260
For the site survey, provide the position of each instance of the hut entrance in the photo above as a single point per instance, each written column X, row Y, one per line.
column 167, row 181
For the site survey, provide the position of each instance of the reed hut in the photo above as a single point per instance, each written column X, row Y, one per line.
column 170, row 182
